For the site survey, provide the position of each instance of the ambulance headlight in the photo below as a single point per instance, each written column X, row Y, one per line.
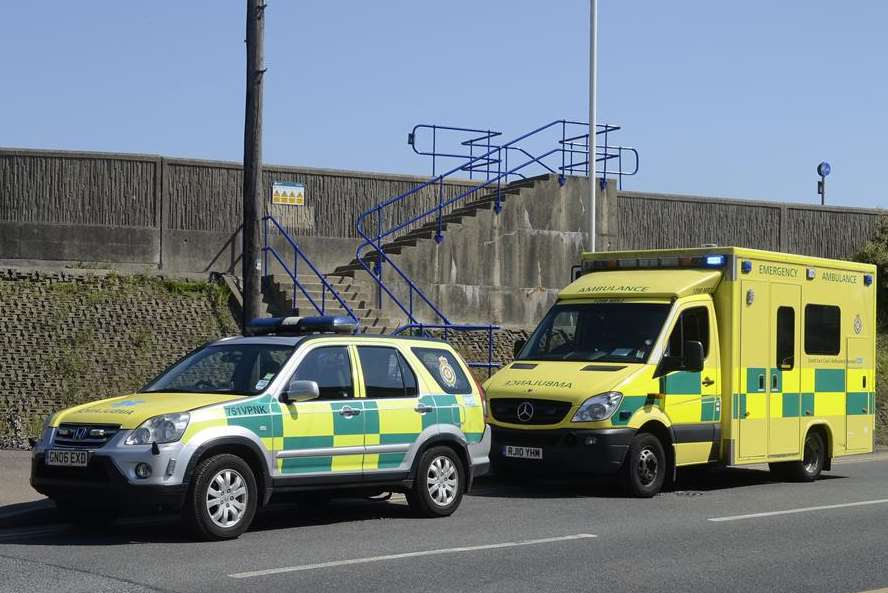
column 168, row 428
column 598, row 407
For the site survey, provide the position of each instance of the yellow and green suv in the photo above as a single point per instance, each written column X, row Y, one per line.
column 300, row 405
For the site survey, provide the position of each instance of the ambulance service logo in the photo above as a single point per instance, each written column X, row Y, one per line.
column 448, row 375
column 858, row 324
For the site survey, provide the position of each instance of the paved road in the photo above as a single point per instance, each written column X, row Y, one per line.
column 508, row 538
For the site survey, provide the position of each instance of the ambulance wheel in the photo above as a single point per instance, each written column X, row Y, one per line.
column 223, row 498
column 644, row 469
column 439, row 483
column 814, row 456
column 85, row 517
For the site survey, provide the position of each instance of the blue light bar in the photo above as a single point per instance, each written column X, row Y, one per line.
column 746, row 266
column 714, row 261
column 299, row 326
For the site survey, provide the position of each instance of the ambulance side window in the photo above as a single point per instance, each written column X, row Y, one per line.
column 693, row 325
column 823, row 329
column 785, row 338
column 330, row 368
column 386, row 373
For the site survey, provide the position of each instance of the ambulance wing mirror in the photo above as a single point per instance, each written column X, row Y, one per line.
column 518, row 346
column 693, row 356
column 691, row 360
column 300, row 391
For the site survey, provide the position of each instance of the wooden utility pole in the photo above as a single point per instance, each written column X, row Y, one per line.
column 253, row 160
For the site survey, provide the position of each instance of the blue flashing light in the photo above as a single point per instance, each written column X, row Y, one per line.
column 298, row 326
column 746, row 266
column 714, row 261
column 867, row 279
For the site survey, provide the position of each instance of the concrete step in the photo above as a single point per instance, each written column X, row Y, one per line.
column 354, row 291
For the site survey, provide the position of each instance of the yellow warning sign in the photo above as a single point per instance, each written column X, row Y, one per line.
column 287, row 193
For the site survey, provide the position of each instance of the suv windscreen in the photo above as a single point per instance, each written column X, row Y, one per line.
column 225, row 368
column 600, row 332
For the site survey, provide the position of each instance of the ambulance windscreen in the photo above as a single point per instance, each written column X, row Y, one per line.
column 597, row 332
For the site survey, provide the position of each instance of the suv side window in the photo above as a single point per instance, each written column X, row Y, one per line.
column 693, row 325
column 386, row 373
column 445, row 369
column 330, row 368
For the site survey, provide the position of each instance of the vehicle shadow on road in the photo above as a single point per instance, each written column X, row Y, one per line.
column 167, row 529
column 688, row 481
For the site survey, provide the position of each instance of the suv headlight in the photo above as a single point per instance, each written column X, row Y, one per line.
column 168, row 428
column 598, row 407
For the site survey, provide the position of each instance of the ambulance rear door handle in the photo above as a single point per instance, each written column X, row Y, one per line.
column 423, row 409
column 707, row 382
column 349, row 412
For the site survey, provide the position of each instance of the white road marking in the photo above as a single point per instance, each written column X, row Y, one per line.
column 529, row 542
column 801, row 510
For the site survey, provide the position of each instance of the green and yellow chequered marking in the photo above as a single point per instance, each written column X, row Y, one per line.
column 827, row 398
column 320, row 425
column 682, row 401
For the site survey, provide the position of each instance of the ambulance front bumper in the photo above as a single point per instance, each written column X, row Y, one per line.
column 561, row 451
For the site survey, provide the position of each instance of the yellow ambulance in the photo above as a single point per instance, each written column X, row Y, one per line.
column 652, row 360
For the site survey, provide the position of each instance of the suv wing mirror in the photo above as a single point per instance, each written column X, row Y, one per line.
column 300, row 391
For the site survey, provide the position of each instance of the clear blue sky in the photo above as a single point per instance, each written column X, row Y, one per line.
column 722, row 98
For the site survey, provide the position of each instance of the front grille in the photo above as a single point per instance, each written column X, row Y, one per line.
column 541, row 411
column 84, row 436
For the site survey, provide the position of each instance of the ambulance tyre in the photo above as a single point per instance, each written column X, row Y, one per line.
column 645, row 467
column 222, row 499
column 813, row 459
column 439, row 483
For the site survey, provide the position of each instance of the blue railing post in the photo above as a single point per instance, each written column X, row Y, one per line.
column 434, row 148
column 265, row 248
column 377, row 267
column 439, row 235
column 295, row 275
column 487, row 161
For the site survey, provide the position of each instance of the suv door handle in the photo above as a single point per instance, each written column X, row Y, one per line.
column 349, row 412
column 707, row 382
column 423, row 409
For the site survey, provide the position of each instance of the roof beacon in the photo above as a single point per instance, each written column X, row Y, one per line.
column 299, row 326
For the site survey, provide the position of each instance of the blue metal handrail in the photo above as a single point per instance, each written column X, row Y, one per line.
column 421, row 329
column 576, row 146
column 474, row 142
column 298, row 255
column 494, row 162
column 375, row 242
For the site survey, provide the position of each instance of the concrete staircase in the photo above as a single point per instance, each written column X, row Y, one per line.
column 485, row 201
column 360, row 296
